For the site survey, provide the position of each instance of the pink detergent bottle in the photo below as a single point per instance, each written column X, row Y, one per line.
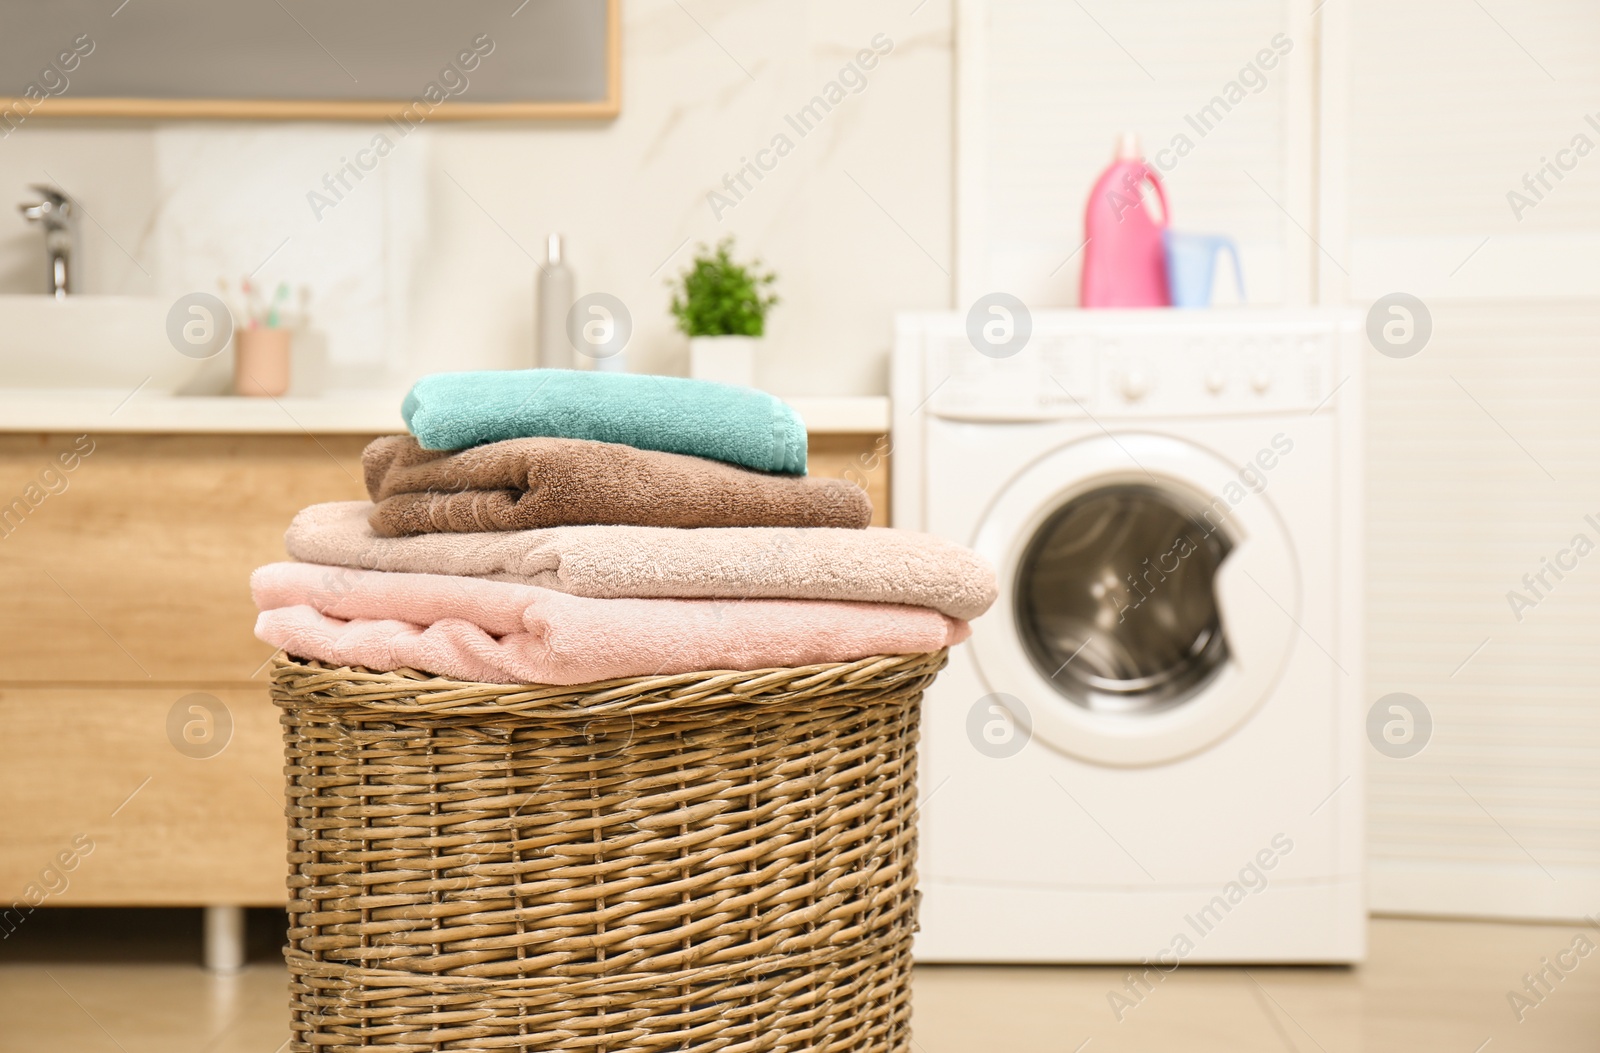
column 1124, row 261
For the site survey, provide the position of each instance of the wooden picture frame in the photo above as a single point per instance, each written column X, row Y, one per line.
column 603, row 109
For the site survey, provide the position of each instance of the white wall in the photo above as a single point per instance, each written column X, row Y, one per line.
column 426, row 263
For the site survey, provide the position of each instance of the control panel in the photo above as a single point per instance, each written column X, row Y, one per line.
column 1139, row 364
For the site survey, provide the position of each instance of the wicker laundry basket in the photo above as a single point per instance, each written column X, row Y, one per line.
column 706, row 861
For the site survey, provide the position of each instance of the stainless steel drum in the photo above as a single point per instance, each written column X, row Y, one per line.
column 1115, row 599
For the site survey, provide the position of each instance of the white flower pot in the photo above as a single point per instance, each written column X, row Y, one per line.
column 724, row 359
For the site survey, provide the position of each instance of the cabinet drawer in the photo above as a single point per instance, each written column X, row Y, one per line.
column 129, row 782
column 136, row 563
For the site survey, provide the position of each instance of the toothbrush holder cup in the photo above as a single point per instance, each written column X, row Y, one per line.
column 261, row 362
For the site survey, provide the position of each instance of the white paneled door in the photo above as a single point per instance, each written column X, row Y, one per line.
column 1465, row 156
column 1220, row 94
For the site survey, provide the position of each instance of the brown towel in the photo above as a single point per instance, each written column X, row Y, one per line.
column 523, row 484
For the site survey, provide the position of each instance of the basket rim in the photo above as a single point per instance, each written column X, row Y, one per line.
column 307, row 683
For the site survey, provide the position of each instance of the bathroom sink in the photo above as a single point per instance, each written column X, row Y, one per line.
column 116, row 342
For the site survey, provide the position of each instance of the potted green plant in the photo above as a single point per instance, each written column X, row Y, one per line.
column 721, row 306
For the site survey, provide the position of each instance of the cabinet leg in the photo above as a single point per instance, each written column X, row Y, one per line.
column 224, row 938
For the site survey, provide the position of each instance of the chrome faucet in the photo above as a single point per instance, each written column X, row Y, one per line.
column 56, row 213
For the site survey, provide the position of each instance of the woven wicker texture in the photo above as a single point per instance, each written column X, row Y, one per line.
column 706, row 861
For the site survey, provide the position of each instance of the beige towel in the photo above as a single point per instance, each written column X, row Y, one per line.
column 875, row 565
column 522, row 484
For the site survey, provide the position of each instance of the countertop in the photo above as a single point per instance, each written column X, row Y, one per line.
column 96, row 411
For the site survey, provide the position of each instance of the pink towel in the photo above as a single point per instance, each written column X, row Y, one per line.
column 504, row 633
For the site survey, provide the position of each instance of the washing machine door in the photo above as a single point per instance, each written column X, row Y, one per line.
column 1149, row 597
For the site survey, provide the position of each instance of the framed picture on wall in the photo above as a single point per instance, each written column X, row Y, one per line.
column 406, row 60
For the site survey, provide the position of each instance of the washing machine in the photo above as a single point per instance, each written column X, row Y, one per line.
column 1149, row 751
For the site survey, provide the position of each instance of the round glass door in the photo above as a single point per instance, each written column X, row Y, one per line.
column 1115, row 599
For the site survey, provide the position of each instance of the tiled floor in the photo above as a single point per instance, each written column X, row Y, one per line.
column 126, row 982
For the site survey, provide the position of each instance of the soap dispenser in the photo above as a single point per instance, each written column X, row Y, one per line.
column 556, row 284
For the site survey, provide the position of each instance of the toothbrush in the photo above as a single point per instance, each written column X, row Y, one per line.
column 249, row 291
column 228, row 302
column 281, row 295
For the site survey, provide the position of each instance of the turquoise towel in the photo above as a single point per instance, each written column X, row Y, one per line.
column 452, row 411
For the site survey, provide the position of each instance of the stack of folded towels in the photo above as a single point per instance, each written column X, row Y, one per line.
column 564, row 527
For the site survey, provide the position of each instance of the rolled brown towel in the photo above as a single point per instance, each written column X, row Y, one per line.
column 523, row 484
